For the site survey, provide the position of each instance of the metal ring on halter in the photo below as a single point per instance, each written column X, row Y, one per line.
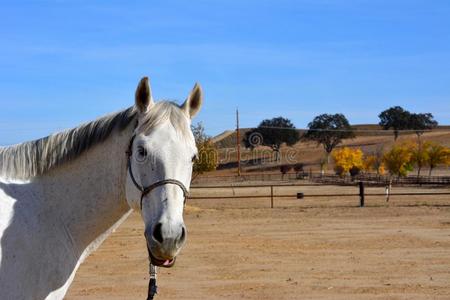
column 148, row 189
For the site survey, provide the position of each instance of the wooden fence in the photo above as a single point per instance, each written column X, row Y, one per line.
column 362, row 195
column 369, row 179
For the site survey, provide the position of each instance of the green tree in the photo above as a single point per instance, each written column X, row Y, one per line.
column 273, row 133
column 421, row 122
column 399, row 119
column 395, row 118
column 329, row 131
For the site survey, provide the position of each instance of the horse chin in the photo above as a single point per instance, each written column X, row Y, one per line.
column 164, row 263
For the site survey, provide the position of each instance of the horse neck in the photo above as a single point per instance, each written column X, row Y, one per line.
column 87, row 195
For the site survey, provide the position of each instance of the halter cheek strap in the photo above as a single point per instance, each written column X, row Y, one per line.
column 148, row 189
column 152, row 288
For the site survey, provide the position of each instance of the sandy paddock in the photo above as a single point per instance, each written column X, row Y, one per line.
column 302, row 249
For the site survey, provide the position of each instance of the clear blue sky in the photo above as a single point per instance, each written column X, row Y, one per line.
column 66, row 62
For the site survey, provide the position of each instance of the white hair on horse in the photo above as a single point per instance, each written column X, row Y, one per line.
column 162, row 112
column 27, row 160
column 61, row 196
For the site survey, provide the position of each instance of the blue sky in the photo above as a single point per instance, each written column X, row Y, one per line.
column 66, row 62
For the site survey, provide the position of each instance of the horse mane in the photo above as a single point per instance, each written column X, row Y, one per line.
column 26, row 160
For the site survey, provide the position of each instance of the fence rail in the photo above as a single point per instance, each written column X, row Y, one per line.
column 369, row 179
column 373, row 179
column 300, row 195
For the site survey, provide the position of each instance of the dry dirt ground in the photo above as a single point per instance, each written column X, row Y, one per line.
column 325, row 248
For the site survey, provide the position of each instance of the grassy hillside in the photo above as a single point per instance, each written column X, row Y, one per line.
column 227, row 139
column 309, row 153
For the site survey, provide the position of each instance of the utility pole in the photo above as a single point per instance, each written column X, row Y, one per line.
column 238, row 144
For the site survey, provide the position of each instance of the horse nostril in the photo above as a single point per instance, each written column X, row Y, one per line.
column 183, row 235
column 157, row 233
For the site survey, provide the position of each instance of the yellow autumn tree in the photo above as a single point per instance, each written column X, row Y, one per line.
column 419, row 154
column 373, row 161
column 381, row 169
column 347, row 159
column 207, row 157
column 398, row 160
column 437, row 155
column 368, row 163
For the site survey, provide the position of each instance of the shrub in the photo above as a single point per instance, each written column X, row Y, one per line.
column 299, row 168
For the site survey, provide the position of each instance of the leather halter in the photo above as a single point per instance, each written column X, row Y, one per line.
column 146, row 190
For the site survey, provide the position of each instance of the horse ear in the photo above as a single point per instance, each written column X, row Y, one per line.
column 193, row 102
column 143, row 96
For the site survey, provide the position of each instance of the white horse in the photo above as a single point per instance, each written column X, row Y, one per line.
column 62, row 195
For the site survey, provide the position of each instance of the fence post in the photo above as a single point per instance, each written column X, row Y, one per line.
column 271, row 196
column 361, row 194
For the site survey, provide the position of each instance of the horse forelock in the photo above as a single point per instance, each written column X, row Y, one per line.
column 162, row 112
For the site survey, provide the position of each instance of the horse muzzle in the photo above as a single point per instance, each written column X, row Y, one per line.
column 164, row 243
column 165, row 263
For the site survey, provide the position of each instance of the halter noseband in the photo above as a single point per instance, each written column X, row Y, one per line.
column 148, row 189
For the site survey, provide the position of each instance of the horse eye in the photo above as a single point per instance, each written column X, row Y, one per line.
column 194, row 158
column 142, row 151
